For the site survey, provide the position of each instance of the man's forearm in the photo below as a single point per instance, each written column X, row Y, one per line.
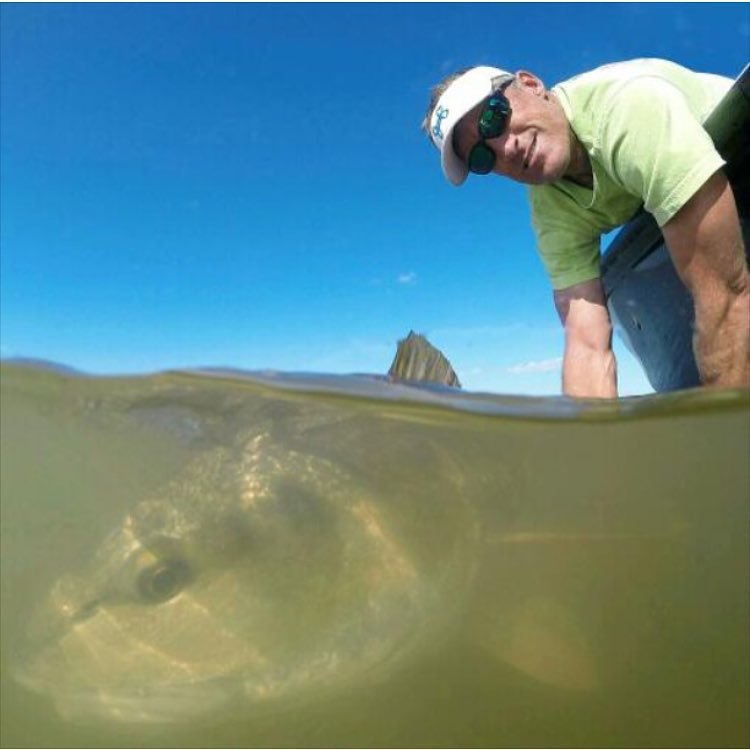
column 705, row 242
column 589, row 367
column 588, row 372
column 721, row 341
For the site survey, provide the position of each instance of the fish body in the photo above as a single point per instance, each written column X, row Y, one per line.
column 260, row 576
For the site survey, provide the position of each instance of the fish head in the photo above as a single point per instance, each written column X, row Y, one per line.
column 259, row 574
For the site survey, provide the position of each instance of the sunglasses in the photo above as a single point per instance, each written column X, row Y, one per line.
column 492, row 123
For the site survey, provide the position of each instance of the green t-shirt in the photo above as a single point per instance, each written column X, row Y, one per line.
column 641, row 124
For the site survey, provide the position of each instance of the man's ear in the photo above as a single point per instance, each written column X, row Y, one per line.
column 529, row 81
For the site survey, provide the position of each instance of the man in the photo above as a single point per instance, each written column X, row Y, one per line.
column 594, row 149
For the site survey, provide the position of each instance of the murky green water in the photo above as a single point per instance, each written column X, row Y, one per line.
column 219, row 560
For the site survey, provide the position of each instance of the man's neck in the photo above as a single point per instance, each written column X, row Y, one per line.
column 579, row 170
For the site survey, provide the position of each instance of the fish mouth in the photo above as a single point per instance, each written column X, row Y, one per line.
column 83, row 702
column 162, row 704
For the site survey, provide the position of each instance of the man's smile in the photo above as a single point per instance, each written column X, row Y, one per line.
column 530, row 153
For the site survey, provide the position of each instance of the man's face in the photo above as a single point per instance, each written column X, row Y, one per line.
column 536, row 145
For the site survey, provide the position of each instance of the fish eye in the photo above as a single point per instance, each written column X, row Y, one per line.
column 163, row 581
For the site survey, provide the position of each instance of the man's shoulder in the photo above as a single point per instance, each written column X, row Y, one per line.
column 591, row 98
column 602, row 84
column 619, row 72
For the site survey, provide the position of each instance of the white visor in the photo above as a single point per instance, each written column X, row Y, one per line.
column 457, row 100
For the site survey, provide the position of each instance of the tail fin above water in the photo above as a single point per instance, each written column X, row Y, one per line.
column 417, row 359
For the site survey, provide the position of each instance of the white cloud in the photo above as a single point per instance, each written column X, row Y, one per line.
column 407, row 278
column 544, row 365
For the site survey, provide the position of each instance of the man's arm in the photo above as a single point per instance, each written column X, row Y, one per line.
column 589, row 367
column 705, row 242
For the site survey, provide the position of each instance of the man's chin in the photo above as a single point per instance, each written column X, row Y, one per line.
column 538, row 179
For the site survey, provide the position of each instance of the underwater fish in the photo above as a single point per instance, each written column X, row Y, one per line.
column 260, row 573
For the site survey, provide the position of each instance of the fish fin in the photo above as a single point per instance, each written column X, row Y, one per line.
column 541, row 640
column 419, row 361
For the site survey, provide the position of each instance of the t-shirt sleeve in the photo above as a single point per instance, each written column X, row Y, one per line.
column 653, row 145
column 567, row 237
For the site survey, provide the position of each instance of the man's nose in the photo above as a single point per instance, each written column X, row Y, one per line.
column 510, row 150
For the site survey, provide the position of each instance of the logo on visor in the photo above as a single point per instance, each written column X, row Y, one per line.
column 440, row 115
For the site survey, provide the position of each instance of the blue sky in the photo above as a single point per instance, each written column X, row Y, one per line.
column 247, row 185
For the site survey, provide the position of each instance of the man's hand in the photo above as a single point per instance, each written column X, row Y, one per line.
column 589, row 367
column 705, row 242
